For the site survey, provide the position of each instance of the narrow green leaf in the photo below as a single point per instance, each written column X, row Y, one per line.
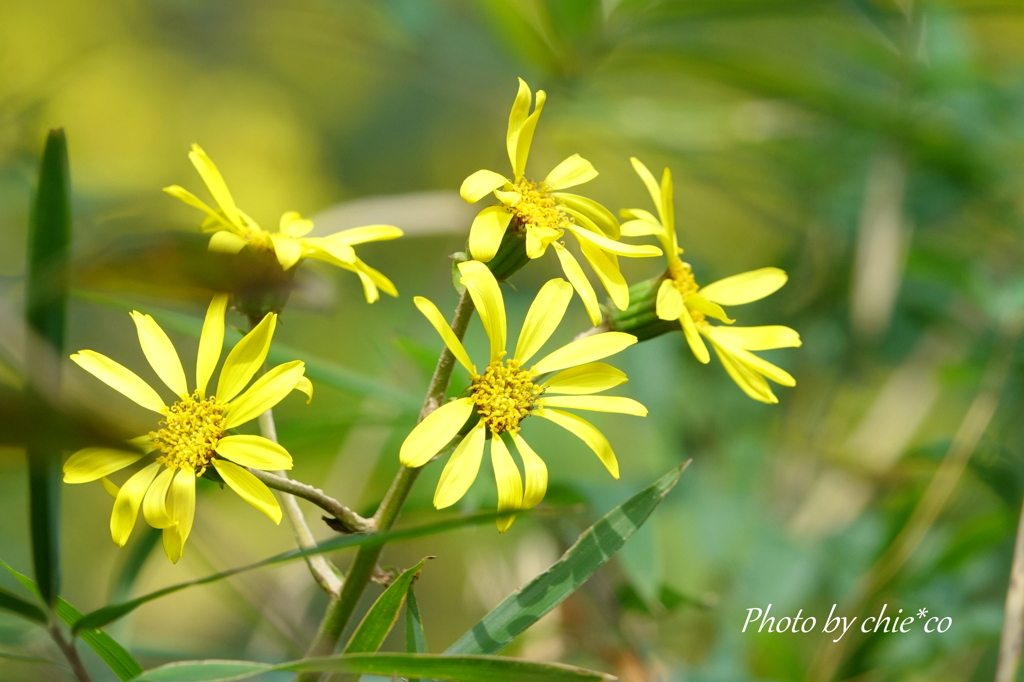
column 383, row 615
column 462, row 668
column 112, row 653
column 45, row 308
column 15, row 604
column 592, row 549
column 134, row 560
column 415, row 637
column 25, row 659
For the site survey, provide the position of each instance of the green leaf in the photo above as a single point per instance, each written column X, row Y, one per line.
column 15, row 604
column 383, row 614
column 317, row 369
column 415, row 637
column 45, row 308
column 463, row 668
column 134, row 560
column 595, row 546
column 25, row 659
column 112, row 653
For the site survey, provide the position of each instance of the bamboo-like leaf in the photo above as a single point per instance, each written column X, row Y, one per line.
column 112, row 653
column 383, row 614
column 14, row 604
column 134, row 560
column 440, row 667
column 591, row 550
column 45, row 307
column 21, row 658
column 415, row 637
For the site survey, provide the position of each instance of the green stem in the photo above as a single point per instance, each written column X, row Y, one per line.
column 340, row 609
column 70, row 652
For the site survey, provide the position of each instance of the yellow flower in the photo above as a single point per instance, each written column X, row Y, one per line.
column 681, row 298
column 194, row 431
column 507, row 392
column 233, row 230
column 545, row 213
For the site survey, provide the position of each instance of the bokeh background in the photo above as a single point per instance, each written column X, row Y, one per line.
column 872, row 148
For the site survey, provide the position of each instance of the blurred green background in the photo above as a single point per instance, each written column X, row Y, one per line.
column 872, row 148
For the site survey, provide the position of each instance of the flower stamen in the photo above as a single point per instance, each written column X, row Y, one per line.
column 682, row 276
column 537, row 207
column 504, row 395
column 191, row 430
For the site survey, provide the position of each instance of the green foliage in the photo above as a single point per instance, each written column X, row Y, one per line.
column 383, row 615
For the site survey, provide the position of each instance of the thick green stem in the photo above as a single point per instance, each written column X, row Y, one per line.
column 340, row 609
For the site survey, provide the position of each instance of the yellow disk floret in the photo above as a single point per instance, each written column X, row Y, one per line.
column 537, row 207
column 192, row 427
column 682, row 276
column 504, row 395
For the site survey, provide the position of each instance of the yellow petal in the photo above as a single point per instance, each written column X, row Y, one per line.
column 700, row 351
column 294, row 225
column 461, row 469
column 437, row 320
column 154, row 506
column 480, row 184
column 536, row 473
column 245, row 359
column 249, row 488
column 593, row 377
column 378, row 279
column 485, row 234
column 265, row 392
column 90, row 464
column 119, row 378
column 702, row 305
column 543, row 318
column 668, row 206
column 173, row 545
column 669, row 305
column 745, row 287
column 752, row 384
column 329, row 250
column 287, row 249
column 610, row 245
column 640, row 228
column 575, row 170
column 525, row 137
column 254, row 451
column 606, row 266
column 223, row 241
column 759, row 365
column 516, row 118
column 211, row 341
column 160, row 353
column 367, row 233
column 486, row 295
column 574, row 273
column 598, row 214
column 538, row 239
column 586, row 432
column 596, row 403
column 650, row 183
column 110, row 487
column 434, row 432
column 214, row 182
column 758, row 338
column 181, row 504
column 509, row 198
column 182, row 194
column 126, row 506
column 585, row 350
column 304, row 385
column 509, row 480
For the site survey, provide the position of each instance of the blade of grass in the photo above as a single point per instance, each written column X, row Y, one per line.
column 415, row 637
column 12, row 603
column 383, row 615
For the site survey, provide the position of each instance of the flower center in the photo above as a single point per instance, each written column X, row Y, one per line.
column 682, row 276
column 537, row 207
column 191, row 430
column 504, row 394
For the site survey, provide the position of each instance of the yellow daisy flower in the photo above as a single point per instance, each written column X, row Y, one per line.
column 681, row 298
column 546, row 213
column 507, row 392
column 194, row 431
column 233, row 230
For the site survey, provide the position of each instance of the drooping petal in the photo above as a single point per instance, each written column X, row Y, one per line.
column 90, row 464
column 434, row 432
column 215, row 183
column 480, row 184
column 461, row 469
column 509, row 481
column 126, row 506
column 601, row 216
column 181, row 508
column 287, row 249
column 539, row 238
column 759, row 365
column 596, row 403
column 536, row 473
column 294, row 225
column 378, row 279
column 593, row 377
column 249, row 488
column 490, row 305
column 211, row 341
column 525, row 137
column 154, row 506
column 758, row 338
column 245, row 359
column 574, row 273
column 370, row 291
column 110, row 487
column 508, row 197
column 606, row 266
column 586, row 432
column 699, row 304
column 486, row 232
column 436, row 319
column 669, row 304
column 752, row 384
column 265, row 392
column 573, row 171
column 653, row 188
column 610, row 245
column 366, row 233
column 223, row 241
column 160, row 353
column 304, row 385
column 543, row 318
column 745, row 287
column 584, row 350
column 256, row 452
column 119, row 378
column 700, row 351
